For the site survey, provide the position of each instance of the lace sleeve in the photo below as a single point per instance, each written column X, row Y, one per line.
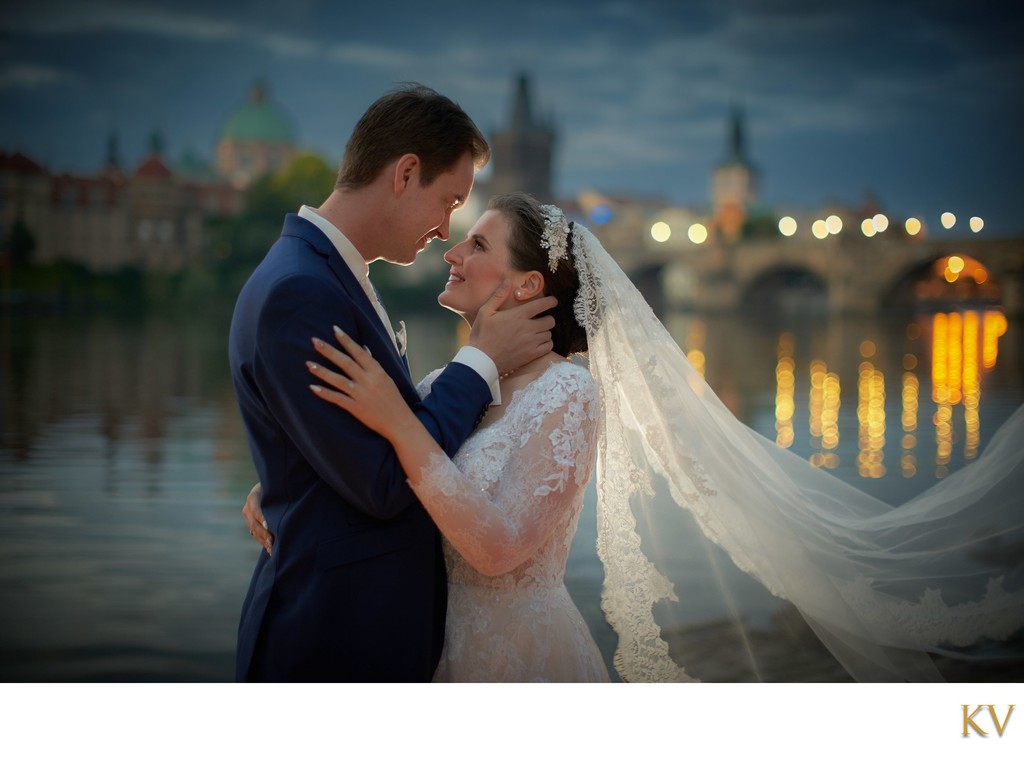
column 498, row 527
column 424, row 385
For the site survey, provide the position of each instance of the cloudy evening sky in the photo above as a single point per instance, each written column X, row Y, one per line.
column 917, row 103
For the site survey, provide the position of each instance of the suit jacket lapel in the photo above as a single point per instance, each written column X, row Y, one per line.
column 296, row 226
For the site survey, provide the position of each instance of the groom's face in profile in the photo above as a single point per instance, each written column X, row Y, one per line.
column 427, row 210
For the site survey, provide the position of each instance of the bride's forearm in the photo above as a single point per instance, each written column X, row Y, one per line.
column 413, row 446
column 478, row 531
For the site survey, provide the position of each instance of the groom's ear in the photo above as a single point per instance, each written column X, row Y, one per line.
column 530, row 286
column 407, row 172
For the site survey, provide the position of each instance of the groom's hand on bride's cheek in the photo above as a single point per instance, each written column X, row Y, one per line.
column 513, row 336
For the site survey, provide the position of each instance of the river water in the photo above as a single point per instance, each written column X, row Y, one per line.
column 124, row 464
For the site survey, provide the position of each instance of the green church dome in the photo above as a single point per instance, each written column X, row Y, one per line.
column 258, row 120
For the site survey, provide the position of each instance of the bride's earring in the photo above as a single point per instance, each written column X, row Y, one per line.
column 519, row 293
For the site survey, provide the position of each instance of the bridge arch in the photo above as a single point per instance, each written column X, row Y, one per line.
column 786, row 289
column 943, row 278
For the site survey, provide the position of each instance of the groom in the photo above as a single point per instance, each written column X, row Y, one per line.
column 355, row 589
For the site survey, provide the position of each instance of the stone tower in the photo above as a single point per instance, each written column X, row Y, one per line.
column 522, row 153
column 734, row 183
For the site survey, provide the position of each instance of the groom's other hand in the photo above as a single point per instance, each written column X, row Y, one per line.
column 515, row 335
column 254, row 518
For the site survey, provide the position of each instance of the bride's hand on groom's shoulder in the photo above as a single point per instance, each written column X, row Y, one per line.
column 360, row 387
column 254, row 518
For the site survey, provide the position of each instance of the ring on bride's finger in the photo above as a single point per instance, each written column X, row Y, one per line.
column 351, row 384
column 265, row 526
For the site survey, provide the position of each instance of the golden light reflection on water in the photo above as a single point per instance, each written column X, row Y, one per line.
column 695, row 338
column 823, row 406
column 993, row 327
column 963, row 347
column 871, row 420
column 971, row 386
column 958, row 342
column 934, row 368
column 910, row 397
column 785, row 391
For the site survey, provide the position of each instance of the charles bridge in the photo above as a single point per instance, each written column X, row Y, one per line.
column 846, row 273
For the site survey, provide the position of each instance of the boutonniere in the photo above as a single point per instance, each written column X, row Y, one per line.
column 400, row 338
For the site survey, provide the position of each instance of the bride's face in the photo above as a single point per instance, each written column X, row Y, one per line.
column 479, row 264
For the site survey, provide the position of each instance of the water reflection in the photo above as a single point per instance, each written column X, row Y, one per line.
column 958, row 351
column 123, row 463
column 121, row 466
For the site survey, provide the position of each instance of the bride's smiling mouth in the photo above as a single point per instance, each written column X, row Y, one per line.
column 454, row 277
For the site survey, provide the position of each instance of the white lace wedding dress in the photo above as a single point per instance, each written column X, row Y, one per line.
column 509, row 504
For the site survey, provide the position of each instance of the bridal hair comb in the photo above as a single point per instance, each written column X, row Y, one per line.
column 590, row 300
column 555, row 236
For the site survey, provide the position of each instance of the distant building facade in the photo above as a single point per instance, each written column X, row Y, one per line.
column 151, row 217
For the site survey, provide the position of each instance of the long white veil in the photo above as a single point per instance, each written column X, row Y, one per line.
column 881, row 586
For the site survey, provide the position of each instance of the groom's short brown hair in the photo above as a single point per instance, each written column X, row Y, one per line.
column 410, row 119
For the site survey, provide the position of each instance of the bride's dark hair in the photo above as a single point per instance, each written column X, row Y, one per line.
column 525, row 228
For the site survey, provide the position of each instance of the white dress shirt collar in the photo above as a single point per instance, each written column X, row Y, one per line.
column 360, row 270
column 345, row 248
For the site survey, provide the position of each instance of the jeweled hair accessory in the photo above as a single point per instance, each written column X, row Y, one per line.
column 555, row 236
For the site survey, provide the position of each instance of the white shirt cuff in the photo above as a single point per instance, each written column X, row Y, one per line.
column 482, row 364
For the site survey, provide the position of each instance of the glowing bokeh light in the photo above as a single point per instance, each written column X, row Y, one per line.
column 977, row 223
column 880, row 221
column 697, row 233
column 834, row 224
column 948, row 220
column 601, row 213
column 868, row 228
column 955, row 264
column 697, row 358
column 819, row 229
column 661, row 231
column 787, row 225
column 913, row 226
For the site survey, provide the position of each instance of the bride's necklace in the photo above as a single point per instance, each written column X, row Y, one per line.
column 510, row 372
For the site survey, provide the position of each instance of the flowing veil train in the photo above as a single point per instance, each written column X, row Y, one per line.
column 882, row 586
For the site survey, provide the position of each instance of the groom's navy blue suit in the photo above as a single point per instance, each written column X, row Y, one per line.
column 355, row 589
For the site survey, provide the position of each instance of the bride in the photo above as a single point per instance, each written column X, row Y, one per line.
column 882, row 587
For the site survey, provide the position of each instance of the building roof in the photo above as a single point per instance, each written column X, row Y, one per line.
column 258, row 120
column 153, row 167
column 19, row 163
column 736, row 150
column 191, row 166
